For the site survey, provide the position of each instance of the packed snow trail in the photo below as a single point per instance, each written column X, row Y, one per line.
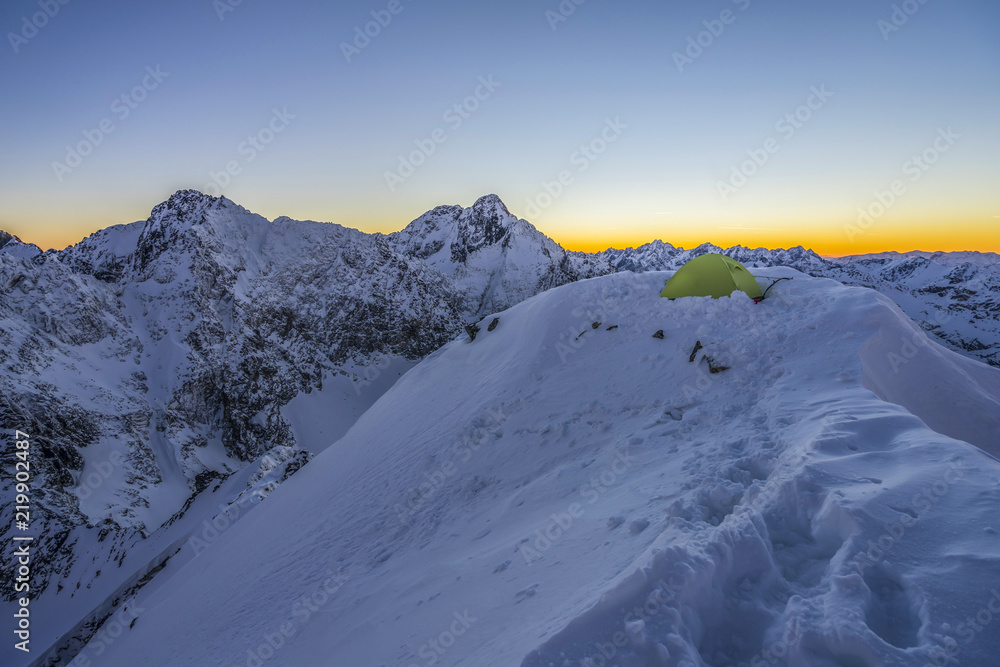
column 560, row 493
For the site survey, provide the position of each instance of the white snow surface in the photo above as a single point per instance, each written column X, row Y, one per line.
column 538, row 498
column 323, row 415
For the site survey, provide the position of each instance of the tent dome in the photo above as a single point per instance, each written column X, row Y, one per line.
column 711, row 275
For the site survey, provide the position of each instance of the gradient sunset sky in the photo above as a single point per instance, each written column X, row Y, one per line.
column 671, row 100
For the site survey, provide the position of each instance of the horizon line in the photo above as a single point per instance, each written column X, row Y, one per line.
column 570, row 249
column 580, row 246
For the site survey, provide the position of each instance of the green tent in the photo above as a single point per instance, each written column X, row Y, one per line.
column 711, row 275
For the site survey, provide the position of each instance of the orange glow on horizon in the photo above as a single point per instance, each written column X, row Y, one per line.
column 825, row 248
column 50, row 240
column 927, row 235
column 947, row 238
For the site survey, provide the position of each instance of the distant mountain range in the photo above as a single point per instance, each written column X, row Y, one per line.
column 167, row 369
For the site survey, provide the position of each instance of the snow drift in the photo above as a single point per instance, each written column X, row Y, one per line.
column 569, row 490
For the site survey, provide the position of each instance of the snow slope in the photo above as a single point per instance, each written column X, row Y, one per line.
column 956, row 296
column 559, row 493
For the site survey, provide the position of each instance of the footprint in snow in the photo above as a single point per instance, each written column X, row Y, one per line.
column 528, row 592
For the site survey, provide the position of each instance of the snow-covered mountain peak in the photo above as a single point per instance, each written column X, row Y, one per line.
column 11, row 245
column 655, row 245
column 189, row 222
column 177, row 228
column 190, row 209
column 6, row 238
column 488, row 212
column 490, row 202
column 801, row 258
column 706, row 248
column 495, row 259
column 449, row 234
column 488, row 222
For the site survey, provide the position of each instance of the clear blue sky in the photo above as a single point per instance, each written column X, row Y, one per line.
column 680, row 133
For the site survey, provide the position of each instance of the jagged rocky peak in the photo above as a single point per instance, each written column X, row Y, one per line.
column 655, row 255
column 184, row 209
column 706, row 248
column 189, row 209
column 456, row 232
column 186, row 206
column 177, row 223
column 487, row 222
column 490, row 210
column 656, row 244
column 798, row 256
